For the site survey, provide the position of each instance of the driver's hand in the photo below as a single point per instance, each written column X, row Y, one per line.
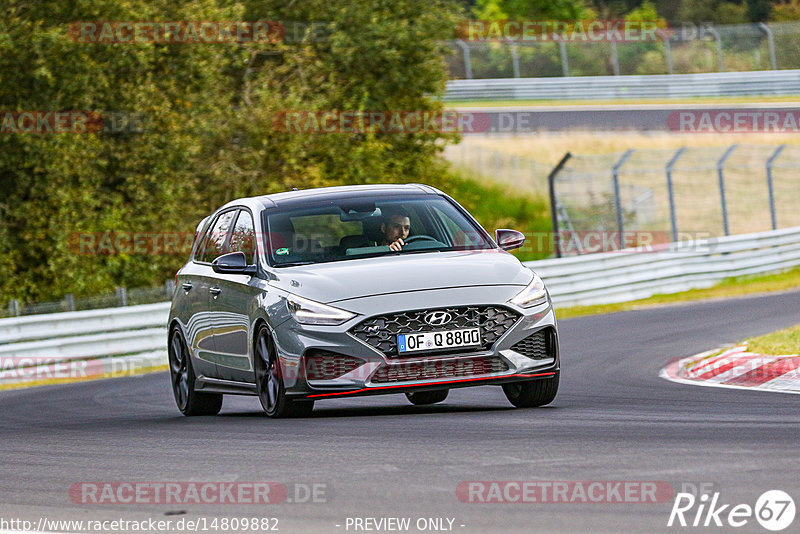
column 397, row 246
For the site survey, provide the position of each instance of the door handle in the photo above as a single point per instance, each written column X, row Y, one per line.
column 215, row 291
column 187, row 286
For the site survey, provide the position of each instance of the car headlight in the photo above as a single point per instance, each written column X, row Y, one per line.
column 307, row 311
column 533, row 294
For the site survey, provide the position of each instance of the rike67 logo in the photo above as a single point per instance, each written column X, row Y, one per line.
column 774, row 510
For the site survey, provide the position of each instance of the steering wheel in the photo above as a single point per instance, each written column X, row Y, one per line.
column 419, row 237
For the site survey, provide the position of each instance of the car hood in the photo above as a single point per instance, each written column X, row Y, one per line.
column 337, row 281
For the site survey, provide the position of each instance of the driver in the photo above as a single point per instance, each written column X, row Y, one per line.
column 395, row 229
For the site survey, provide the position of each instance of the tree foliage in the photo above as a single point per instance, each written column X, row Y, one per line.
column 209, row 134
column 534, row 10
column 210, row 111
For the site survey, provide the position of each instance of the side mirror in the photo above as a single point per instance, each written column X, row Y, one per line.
column 509, row 239
column 233, row 263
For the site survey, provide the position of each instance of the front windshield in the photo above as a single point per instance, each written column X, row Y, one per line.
column 365, row 227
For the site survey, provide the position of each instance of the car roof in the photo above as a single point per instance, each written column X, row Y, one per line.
column 322, row 194
column 302, row 196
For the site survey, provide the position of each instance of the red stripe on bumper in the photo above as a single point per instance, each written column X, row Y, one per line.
column 352, row 392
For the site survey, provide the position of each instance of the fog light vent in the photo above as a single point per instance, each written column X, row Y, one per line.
column 326, row 365
column 537, row 346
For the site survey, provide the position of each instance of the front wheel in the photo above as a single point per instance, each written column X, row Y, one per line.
column 532, row 393
column 269, row 381
column 421, row 398
column 189, row 401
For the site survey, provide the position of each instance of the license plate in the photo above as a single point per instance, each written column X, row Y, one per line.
column 464, row 337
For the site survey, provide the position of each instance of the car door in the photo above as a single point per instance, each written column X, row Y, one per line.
column 202, row 329
column 190, row 301
column 233, row 301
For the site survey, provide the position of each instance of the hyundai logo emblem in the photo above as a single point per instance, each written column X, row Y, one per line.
column 438, row 318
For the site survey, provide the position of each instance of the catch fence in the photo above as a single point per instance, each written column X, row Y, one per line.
column 684, row 49
column 661, row 196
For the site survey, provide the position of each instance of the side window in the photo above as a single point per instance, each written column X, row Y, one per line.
column 199, row 239
column 243, row 238
column 215, row 242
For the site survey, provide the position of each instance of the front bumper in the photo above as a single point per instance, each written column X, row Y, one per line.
column 382, row 373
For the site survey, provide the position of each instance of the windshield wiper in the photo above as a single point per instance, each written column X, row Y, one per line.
column 295, row 263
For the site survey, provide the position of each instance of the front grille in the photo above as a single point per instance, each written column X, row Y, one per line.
column 325, row 365
column 538, row 346
column 381, row 331
column 435, row 369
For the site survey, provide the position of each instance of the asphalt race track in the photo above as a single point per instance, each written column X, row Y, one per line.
column 613, row 420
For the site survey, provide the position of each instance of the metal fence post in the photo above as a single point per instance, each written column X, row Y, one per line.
column 13, row 307
column 617, row 199
column 667, row 49
column 721, row 176
column 562, row 47
column 551, row 183
column 69, row 301
column 122, row 296
column 467, row 58
column 614, row 57
column 514, row 59
column 771, row 43
column 770, row 161
column 169, row 287
column 673, row 219
column 718, row 39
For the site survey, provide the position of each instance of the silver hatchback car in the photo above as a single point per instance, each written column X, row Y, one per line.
column 358, row 290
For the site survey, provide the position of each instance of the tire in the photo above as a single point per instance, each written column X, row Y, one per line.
column 269, row 381
column 182, row 377
column 532, row 393
column 421, row 398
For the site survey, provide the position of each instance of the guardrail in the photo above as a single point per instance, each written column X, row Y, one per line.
column 632, row 274
column 777, row 82
column 63, row 325
column 104, row 341
column 141, row 331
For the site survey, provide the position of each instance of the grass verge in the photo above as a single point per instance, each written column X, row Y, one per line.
column 549, row 147
column 497, row 206
column 730, row 287
column 71, row 380
column 779, row 343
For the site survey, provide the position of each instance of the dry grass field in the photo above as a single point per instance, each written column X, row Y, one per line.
column 523, row 162
column 550, row 147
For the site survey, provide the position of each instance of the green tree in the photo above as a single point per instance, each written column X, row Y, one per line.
column 715, row 11
column 788, row 11
column 758, row 10
column 210, row 134
column 534, row 9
